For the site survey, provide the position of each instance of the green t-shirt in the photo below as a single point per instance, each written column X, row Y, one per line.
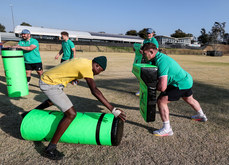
column 67, row 49
column 32, row 56
column 138, row 55
column 152, row 40
column 177, row 76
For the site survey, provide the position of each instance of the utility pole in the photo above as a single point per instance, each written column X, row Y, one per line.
column 11, row 6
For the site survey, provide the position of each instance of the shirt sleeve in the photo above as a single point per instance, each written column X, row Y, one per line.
column 34, row 42
column 163, row 70
column 86, row 71
column 71, row 44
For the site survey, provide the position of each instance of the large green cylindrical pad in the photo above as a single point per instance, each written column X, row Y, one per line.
column 86, row 128
column 14, row 66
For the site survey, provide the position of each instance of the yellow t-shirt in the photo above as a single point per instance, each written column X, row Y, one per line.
column 65, row 72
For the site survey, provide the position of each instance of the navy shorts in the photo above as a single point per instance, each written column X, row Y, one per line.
column 34, row 66
column 174, row 93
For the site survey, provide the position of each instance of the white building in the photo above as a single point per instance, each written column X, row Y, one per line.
column 165, row 40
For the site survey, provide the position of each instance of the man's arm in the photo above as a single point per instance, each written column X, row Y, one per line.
column 27, row 48
column 162, row 83
column 60, row 52
column 98, row 94
column 74, row 52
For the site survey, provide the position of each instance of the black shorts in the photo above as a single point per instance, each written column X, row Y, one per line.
column 62, row 60
column 34, row 66
column 174, row 93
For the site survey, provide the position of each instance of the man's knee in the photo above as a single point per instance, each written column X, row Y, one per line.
column 71, row 113
column 162, row 100
column 189, row 99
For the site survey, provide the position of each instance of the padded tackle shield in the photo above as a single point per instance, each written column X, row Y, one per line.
column 138, row 55
column 86, row 128
column 147, row 76
column 14, row 66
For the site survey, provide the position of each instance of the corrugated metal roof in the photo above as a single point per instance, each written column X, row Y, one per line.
column 51, row 32
column 9, row 37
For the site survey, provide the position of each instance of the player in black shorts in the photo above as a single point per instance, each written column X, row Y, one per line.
column 30, row 47
column 174, row 83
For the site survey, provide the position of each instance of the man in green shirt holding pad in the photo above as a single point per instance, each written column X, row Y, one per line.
column 174, row 83
column 150, row 39
column 30, row 47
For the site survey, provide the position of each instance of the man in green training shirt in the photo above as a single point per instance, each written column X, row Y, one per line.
column 174, row 83
column 30, row 47
column 68, row 48
column 150, row 38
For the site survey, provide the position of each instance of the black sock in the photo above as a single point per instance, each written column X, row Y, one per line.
column 28, row 79
column 51, row 147
column 44, row 105
column 24, row 114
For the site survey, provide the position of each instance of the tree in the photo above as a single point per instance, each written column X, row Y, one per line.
column 132, row 33
column 25, row 24
column 180, row 34
column 217, row 32
column 2, row 28
column 226, row 38
column 143, row 33
column 204, row 37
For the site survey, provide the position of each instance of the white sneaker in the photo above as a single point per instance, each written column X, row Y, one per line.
column 137, row 93
column 163, row 132
column 202, row 118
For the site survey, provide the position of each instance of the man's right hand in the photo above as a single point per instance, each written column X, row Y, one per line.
column 57, row 56
column 119, row 113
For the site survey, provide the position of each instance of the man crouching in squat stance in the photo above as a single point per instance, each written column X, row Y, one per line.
column 54, row 80
column 174, row 83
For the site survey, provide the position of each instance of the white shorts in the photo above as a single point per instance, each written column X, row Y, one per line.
column 56, row 94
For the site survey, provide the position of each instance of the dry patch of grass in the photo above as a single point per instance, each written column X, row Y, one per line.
column 192, row 143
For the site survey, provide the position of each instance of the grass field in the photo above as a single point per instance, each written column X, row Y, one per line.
column 192, row 143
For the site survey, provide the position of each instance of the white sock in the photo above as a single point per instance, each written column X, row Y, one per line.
column 200, row 112
column 166, row 125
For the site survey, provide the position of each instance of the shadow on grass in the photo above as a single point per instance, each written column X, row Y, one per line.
column 127, row 85
column 150, row 129
column 214, row 100
column 11, row 120
column 47, row 67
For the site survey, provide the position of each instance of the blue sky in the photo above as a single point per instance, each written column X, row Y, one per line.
column 118, row 16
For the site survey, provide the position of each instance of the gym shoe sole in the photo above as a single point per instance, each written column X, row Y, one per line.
column 53, row 155
column 170, row 133
column 167, row 134
column 200, row 119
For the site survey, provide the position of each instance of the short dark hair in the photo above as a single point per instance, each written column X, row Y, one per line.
column 148, row 46
column 64, row 33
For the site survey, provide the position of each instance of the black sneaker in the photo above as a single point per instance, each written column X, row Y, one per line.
column 24, row 114
column 53, row 155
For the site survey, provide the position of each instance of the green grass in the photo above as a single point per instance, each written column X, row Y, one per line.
column 213, row 63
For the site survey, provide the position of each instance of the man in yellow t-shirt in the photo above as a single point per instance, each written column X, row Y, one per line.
column 54, row 80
